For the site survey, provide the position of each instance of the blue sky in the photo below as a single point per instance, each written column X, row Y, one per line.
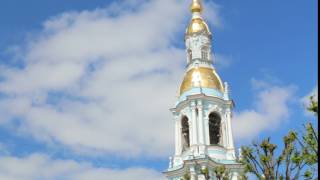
column 83, row 84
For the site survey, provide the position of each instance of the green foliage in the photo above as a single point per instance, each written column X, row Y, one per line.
column 222, row 173
column 309, row 143
column 298, row 159
column 186, row 176
column 205, row 172
column 313, row 106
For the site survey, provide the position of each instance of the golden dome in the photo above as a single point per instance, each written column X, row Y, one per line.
column 196, row 6
column 201, row 77
column 197, row 25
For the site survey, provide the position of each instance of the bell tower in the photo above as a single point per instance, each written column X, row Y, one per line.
column 203, row 112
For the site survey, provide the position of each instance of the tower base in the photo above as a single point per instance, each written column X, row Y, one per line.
column 204, row 168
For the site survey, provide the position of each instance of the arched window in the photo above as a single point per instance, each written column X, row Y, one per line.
column 214, row 128
column 185, row 133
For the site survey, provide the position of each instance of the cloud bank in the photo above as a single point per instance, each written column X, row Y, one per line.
column 40, row 166
column 270, row 109
column 102, row 80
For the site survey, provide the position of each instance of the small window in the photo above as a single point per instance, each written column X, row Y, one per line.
column 204, row 53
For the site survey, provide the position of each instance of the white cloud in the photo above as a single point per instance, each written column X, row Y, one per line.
column 103, row 80
column 271, row 108
column 39, row 166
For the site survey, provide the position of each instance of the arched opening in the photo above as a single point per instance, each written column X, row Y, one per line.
column 214, row 128
column 185, row 133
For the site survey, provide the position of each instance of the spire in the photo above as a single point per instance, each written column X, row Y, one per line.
column 196, row 9
column 197, row 23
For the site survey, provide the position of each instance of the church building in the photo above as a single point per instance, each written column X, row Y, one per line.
column 203, row 112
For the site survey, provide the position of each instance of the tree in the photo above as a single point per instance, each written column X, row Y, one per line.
column 309, row 142
column 298, row 158
column 186, row 176
column 205, row 173
column 222, row 173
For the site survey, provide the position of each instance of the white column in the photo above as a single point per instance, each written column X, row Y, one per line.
column 194, row 124
column 193, row 174
column 201, row 124
column 206, row 130
column 229, row 129
column 235, row 176
column 178, row 135
column 224, row 133
column 190, row 131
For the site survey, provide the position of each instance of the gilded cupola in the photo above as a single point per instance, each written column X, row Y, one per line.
column 201, row 77
column 197, row 25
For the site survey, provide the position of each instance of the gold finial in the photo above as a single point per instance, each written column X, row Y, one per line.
column 196, row 6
